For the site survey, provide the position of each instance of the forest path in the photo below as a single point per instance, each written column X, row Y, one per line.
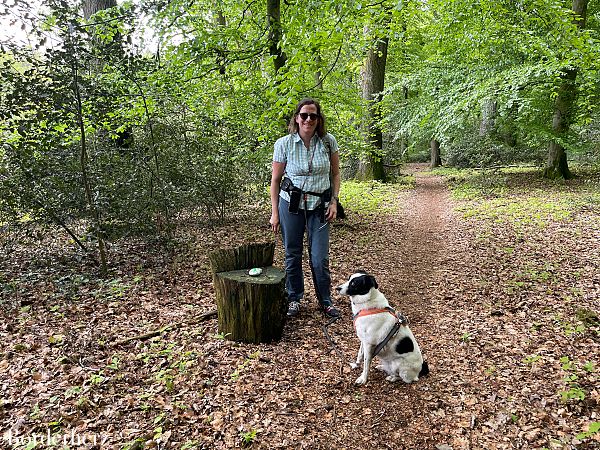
column 423, row 246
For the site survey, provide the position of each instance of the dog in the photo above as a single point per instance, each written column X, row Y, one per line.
column 401, row 357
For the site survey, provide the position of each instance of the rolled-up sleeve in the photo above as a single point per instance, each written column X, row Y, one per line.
column 280, row 155
column 334, row 145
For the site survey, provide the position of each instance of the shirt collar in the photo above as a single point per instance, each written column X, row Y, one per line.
column 296, row 137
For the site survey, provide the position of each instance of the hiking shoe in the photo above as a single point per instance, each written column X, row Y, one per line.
column 293, row 309
column 330, row 311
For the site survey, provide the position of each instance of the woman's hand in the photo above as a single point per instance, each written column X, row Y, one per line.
column 331, row 211
column 274, row 223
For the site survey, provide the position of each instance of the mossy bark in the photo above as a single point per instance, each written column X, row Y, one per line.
column 564, row 105
column 250, row 309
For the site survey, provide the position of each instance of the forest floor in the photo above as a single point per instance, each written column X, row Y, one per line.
column 505, row 312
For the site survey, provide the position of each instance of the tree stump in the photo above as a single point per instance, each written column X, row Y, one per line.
column 250, row 309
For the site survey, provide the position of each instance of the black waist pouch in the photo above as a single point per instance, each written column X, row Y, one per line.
column 295, row 195
column 320, row 211
column 286, row 184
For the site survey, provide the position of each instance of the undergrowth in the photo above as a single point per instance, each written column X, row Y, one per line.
column 514, row 205
column 519, row 196
column 373, row 196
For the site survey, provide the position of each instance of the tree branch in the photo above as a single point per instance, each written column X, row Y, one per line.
column 174, row 326
column 321, row 79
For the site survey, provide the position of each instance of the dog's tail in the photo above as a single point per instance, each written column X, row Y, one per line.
column 424, row 369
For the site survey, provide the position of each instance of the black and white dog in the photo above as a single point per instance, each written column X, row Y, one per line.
column 373, row 320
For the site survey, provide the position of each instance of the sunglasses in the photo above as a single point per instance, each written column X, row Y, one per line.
column 312, row 116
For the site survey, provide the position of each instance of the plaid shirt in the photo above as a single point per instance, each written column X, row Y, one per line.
column 307, row 168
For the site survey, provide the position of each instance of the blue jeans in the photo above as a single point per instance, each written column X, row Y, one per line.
column 292, row 230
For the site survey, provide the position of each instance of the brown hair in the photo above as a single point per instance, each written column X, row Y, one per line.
column 293, row 126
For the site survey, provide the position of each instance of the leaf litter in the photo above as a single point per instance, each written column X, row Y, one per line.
column 506, row 316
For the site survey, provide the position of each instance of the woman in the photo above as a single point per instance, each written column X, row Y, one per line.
column 307, row 200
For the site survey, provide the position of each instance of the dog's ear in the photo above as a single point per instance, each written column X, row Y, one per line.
column 374, row 281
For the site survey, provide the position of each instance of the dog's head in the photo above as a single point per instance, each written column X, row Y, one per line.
column 359, row 283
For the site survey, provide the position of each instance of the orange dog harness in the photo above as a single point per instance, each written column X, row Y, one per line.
column 400, row 320
column 368, row 312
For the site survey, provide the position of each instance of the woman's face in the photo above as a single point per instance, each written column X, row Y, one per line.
column 307, row 126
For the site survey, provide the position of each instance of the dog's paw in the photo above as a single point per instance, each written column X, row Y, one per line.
column 353, row 365
column 361, row 380
column 392, row 378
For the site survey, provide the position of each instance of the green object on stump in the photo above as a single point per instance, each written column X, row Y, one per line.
column 250, row 308
column 255, row 271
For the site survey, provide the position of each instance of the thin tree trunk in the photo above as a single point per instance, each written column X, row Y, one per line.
column 404, row 139
column 83, row 159
column 318, row 73
column 274, row 15
column 373, row 77
column 162, row 223
column 436, row 160
column 221, row 52
column 509, row 131
column 557, row 166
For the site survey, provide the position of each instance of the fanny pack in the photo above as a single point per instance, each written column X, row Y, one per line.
column 296, row 195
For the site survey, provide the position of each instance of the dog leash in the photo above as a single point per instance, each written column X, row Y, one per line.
column 343, row 360
column 331, row 341
column 400, row 320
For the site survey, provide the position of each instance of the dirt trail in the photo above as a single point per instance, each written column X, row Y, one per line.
column 410, row 254
column 424, row 243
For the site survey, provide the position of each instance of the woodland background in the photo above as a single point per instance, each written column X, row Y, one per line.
column 117, row 119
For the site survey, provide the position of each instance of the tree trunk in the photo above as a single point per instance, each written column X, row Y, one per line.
column 83, row 160
column 274, row 15
column 318, row 73
column 124, row 138
column 436, row 160
column 373, row 78
column 404, row 139
column 251, row 308
column 246, row 256
column 508, row 130
column 489, row 110
column 221, row 52
column 557, row 166
column 91, row 7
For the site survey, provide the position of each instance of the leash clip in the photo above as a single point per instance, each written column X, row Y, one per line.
column 402, row 319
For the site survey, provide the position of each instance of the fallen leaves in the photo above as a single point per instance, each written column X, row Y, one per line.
column 496, row 310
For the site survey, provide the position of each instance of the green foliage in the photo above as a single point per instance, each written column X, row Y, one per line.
column 236, row 374
column 187, row 132
column 372, row 196
column 248, row 437
column 593, row 429
column 466, row 337
column 490, row 195
column 573, row 390
column 468, row 55
column 532, row 359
